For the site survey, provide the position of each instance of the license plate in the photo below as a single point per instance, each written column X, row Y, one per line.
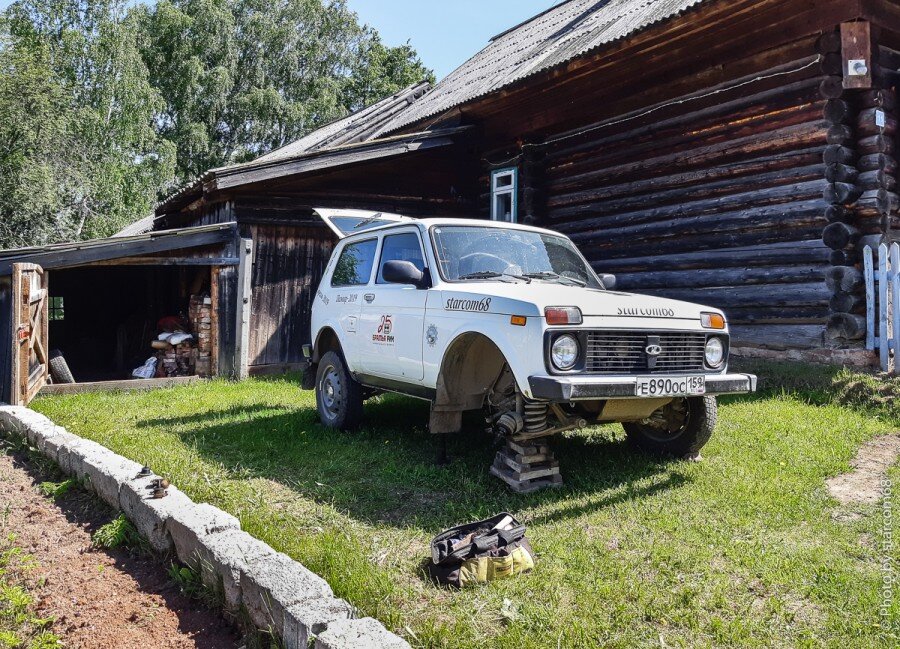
column 671, row 386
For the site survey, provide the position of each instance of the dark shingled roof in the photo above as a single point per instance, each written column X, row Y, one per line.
column 356, row 127
column 560, row 34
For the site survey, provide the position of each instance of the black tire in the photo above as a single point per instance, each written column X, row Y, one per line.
column 339, row 398
column 679, row 429
column 59, row 369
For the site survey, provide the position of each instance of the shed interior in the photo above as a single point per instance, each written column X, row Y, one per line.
column 103, row 320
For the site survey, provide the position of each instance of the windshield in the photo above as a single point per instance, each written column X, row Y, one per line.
column 472, row 253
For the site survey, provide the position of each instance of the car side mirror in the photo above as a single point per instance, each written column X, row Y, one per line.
column 608, row 281
column 403, row 272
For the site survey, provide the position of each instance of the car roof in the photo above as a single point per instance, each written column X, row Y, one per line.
column 448, row 221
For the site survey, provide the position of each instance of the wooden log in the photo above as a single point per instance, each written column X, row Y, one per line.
column 875, row 144
column 838, row 236
column 876, row 180
column 836, row 154
column 874, row 121
column 845, row 279
column 792, row 295
column 839, row 134
column 840, row 173
column 798, row 252
column 778, row 315
column 841, row 193
column 701, row 278
column 837, row 111
column 832, row 87
column 846, row 326
column 845, row 257
column 835, row 213
column 848, row 303
column 778, row 337
column 878, row 98
column 871, row 240
column 832, row 64
column 829, row 42
column 878, row 161
column 601, row 202
column 713, row 208
column 877, row 202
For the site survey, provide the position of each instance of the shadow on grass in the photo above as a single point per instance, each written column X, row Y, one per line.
column 386, row 473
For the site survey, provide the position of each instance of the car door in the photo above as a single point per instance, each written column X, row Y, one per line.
column 392, row 316
column 344, row 294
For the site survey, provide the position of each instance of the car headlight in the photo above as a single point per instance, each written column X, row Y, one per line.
column 564, row 352
column 715, row 352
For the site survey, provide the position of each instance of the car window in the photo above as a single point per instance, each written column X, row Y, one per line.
column 354, row 266
column 401, row 247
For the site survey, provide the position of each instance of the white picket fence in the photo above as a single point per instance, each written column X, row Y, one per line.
column 883, row 303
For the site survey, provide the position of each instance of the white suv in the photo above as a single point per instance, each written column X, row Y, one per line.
column 509, row 319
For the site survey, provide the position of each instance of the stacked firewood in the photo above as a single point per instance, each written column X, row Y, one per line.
column 179, row 360
column 201, row 322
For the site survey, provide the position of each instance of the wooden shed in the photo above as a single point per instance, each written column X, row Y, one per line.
column 737, row 153
column 100, row 303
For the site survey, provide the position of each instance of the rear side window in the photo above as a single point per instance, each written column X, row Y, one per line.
column 401, row 247
column 354, row 266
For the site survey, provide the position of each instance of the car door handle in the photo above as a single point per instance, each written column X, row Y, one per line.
column 369, row 297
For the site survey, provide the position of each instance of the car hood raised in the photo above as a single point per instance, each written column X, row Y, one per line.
column 531, row 300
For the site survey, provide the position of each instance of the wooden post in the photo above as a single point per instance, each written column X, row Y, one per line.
column 856, row 48
column 895, row 303
column 214, row 321
column 244, row 299
column 869, row 271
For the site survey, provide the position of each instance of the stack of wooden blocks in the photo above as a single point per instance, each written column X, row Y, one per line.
column 527, row 466
column 179, row 360
column 201, row 322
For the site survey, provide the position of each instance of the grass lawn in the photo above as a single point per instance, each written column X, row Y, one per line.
column 742, row 549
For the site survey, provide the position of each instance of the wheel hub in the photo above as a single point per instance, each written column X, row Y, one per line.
column 330, row 390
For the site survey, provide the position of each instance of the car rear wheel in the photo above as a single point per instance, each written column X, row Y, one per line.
column 680, row 428
column 339, row 398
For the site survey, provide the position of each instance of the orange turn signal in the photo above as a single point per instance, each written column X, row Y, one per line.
column 712, row 320
column 518, row 320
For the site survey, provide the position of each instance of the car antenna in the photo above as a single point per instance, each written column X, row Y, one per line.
column 374, row 217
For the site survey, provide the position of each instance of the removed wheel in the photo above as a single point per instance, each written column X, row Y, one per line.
column 59, row 369
column 680, row 428
column 339, row 398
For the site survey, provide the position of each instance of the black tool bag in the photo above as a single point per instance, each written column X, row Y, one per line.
column 480, row 552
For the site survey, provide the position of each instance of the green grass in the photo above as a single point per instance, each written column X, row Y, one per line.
column 20, row 628
column 739, row 550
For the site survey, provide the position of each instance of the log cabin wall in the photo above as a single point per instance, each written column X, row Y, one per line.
column 717, row 197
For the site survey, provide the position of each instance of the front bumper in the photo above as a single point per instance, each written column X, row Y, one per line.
column 590, row 388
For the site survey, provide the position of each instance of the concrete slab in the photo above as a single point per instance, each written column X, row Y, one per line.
column 223, row 557
column 305, row 620
column 366, row 633
column 189, row 529
column 149, row 515
column 271, row 584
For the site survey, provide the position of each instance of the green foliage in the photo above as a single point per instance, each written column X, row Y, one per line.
column 105, row 104
column 241, row 77
column 57, row 489
column 19, row 627
column 120, row 533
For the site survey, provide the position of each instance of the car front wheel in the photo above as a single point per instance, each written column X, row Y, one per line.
column 339, row 397
column 680, row 428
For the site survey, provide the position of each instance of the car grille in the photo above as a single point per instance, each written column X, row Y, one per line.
column 624, row 352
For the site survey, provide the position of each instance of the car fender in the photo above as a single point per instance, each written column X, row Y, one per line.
column 516, row 343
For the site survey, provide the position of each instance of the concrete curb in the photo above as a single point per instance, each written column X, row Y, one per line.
column 279, row 594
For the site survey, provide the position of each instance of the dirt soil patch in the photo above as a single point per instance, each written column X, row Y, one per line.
column 863, row 484
column 98, row 598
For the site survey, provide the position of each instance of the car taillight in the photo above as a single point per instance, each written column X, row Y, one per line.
column 563, row 315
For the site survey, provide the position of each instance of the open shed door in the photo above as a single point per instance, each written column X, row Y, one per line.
column 29, row 360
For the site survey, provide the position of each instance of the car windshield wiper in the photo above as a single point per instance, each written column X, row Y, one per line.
column 549, row 276
column 367, row 221
column 492, row 274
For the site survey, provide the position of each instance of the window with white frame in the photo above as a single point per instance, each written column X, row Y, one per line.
column 504, row 191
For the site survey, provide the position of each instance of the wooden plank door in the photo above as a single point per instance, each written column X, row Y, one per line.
column 30, row 317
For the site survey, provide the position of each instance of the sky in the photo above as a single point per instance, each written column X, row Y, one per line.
column 444, row 32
